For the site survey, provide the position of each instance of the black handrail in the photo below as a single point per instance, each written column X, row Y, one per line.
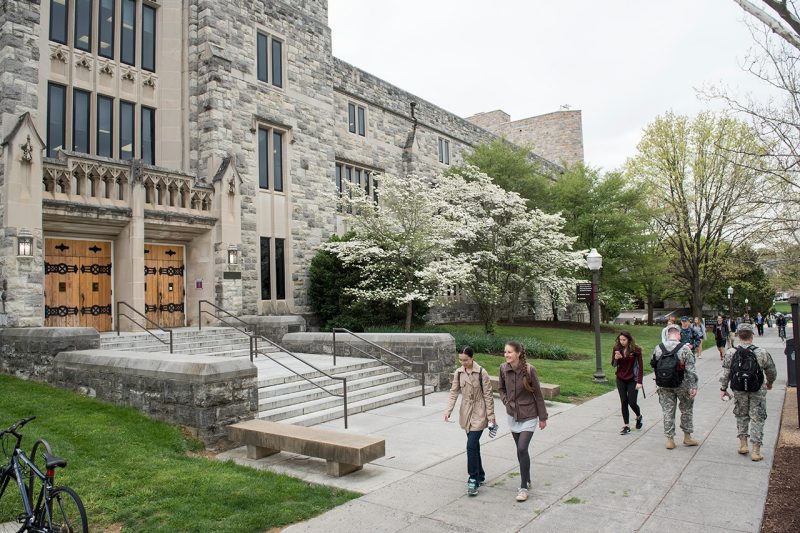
column 389, row 352
column 252, row 336
column 159, row 339
column 284, row 350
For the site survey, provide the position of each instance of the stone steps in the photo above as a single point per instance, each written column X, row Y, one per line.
column 303, row 385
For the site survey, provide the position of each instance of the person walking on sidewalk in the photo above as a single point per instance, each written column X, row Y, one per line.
column 721, row 333
column 700, row 330
column 627, row 358
column 670, row 322
column 521, row 393
column 689, row 334
column 731, row 330
column 759, row 324
column 676, row 379
column 477, row 409
column 745, row 369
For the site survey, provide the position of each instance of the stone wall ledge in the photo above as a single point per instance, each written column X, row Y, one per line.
column 48, row 337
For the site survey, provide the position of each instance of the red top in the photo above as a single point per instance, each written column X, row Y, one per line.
column 626, row 364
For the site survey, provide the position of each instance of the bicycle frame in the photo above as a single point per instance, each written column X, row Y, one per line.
column 16, row 471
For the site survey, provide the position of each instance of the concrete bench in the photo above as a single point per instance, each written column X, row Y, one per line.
column 344, row 452
column 549, row 390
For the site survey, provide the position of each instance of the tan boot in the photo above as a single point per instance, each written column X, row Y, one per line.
column 688, row 440
column 743, row 446
column 756, row 455
column 670, row 443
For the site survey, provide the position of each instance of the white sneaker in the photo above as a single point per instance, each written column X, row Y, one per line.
column 522, row 495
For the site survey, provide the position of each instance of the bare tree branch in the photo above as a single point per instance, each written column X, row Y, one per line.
column 785, row 17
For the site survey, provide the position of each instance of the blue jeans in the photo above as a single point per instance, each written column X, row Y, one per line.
column 474, row 465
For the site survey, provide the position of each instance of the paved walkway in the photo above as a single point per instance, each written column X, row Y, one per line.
column 586, row 477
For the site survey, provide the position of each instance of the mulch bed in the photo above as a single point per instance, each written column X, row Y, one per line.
column 782, row 511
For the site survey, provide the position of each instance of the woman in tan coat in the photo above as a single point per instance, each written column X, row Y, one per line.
column 477, row 409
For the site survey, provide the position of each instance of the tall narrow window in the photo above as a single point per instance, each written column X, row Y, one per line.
column 444, row 151
column 277, row 63
column 277, row 160
column 339, row 179
column 261, row 66
column 56, row 119
column 148, row 38
column 83, row 25
column 266, row 280
column 105, row 25
column 362, row 122
column 105, row 126
column 80, row 121
column 351, row 118
column 148, row 135
column 58, row 20
column 280, row 269
column 128, row 35
column 126, row 130
column 263, row 158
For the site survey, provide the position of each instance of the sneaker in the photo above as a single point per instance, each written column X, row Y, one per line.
column 481, row 482
column 639, row 422
column 625, row 430
column 522, row 495
column 472, row 487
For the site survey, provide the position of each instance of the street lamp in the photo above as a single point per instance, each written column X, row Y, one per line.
column 595, row 262
column 747, row 307
column 730, row 303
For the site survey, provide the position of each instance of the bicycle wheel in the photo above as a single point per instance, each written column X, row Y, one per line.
column 67, row 514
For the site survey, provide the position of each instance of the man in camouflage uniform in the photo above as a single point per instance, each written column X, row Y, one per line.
column 681, row 396
column 750, row 408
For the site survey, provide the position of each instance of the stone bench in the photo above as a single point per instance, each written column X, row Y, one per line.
column 344, row 452
column 549, row 390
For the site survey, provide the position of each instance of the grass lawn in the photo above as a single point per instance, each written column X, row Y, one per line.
column 783, row 307
column 575, row 376
column 133, row 472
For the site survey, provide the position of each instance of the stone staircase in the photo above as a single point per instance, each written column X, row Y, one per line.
column 284, row 396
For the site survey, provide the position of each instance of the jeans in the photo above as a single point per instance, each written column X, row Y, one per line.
column 627, row 397
column 474, row 465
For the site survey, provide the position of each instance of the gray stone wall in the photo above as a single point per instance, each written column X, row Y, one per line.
column 275, row 327
column 28, row 353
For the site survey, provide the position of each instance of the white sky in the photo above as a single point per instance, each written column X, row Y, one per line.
column 622, row 62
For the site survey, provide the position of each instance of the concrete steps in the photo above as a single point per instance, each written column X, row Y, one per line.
column 212, row 341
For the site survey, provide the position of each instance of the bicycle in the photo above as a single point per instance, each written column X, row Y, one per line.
column 782, row 333
column 56, row 509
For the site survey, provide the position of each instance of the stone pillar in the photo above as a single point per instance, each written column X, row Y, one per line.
column 129, row 253
column 200, row 280
column 228, row 236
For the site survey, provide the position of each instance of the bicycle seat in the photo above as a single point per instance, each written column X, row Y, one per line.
column 51, row 461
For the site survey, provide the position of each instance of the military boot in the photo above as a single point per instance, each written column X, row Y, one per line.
column 670, row 443
column 756, row 455
column 743, row 446
column 688, row 440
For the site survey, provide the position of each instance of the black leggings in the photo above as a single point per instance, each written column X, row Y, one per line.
column 523, row 440
column 627, row 397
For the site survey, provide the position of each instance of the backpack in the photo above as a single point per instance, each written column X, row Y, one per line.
column 746, row 373
column 668, row 368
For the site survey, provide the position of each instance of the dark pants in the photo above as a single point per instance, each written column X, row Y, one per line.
column 627, row 397
column 474, row 465
column 760, row 328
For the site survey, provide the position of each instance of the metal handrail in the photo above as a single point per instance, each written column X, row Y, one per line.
column 159, row 339
column 389, row 352
column 252, row 336
column 284, row 350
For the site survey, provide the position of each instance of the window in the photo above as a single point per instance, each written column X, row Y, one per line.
column 266, row 281
column 148, row 38
column 351, row 118
column 105, row 26
column 359, row 177
column 270, row 159
column 81, row 107
column 83, row 25
column 339, row 180
column 360, row 126
column 56, row 117
column 269, row 59
column 126, row 130
column 148, row 132
column 105, row 126
column 280, row 269
column 128, row 40
column 444, row 151
column 58, row 20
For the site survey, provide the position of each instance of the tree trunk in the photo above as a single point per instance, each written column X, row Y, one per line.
column 409, row 314
column 650, row 303
column 554, row 308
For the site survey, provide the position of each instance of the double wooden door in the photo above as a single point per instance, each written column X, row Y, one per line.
column 77, row 283
column 164, row 271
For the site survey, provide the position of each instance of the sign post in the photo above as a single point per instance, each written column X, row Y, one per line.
column 584, row 292
column 793, row 301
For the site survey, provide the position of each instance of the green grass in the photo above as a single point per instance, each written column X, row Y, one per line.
column 783, row 307
column 140, row 474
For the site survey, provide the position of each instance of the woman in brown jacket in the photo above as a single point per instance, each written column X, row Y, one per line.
column 477, row 409
column 522, row 395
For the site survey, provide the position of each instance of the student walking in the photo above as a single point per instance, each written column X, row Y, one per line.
column 670, row 322
column 521, row 393
column 477, row 409
column 760, row 324
column 688, row 334
column 627, row 358
column 721, row 333
column 700, row 329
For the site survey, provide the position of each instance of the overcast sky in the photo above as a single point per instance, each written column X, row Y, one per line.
column 621, row 62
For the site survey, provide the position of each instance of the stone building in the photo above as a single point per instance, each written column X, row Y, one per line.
column 156, row 153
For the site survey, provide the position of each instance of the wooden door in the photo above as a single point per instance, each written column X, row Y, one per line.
column 164, row 286
column 78, row 284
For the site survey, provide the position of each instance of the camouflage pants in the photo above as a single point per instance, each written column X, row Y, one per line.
column 750, row 409
column 670, row 398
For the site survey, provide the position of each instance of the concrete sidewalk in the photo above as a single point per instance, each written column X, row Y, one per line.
column 586, row 477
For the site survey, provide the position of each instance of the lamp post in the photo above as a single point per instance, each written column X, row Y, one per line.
column 595, row 262
column 747, row 308
column 730, row 303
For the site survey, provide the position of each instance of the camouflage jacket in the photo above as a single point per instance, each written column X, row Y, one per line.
column 764, row 361
column 686, row 357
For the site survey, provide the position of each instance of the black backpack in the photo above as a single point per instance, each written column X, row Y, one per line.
column 746, row 373
column 668, row 368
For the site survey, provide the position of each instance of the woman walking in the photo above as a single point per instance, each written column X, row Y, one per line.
column 700, row 329
column 627, row 358
column 721, row 332
column 521, row 393
column 477, row 409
